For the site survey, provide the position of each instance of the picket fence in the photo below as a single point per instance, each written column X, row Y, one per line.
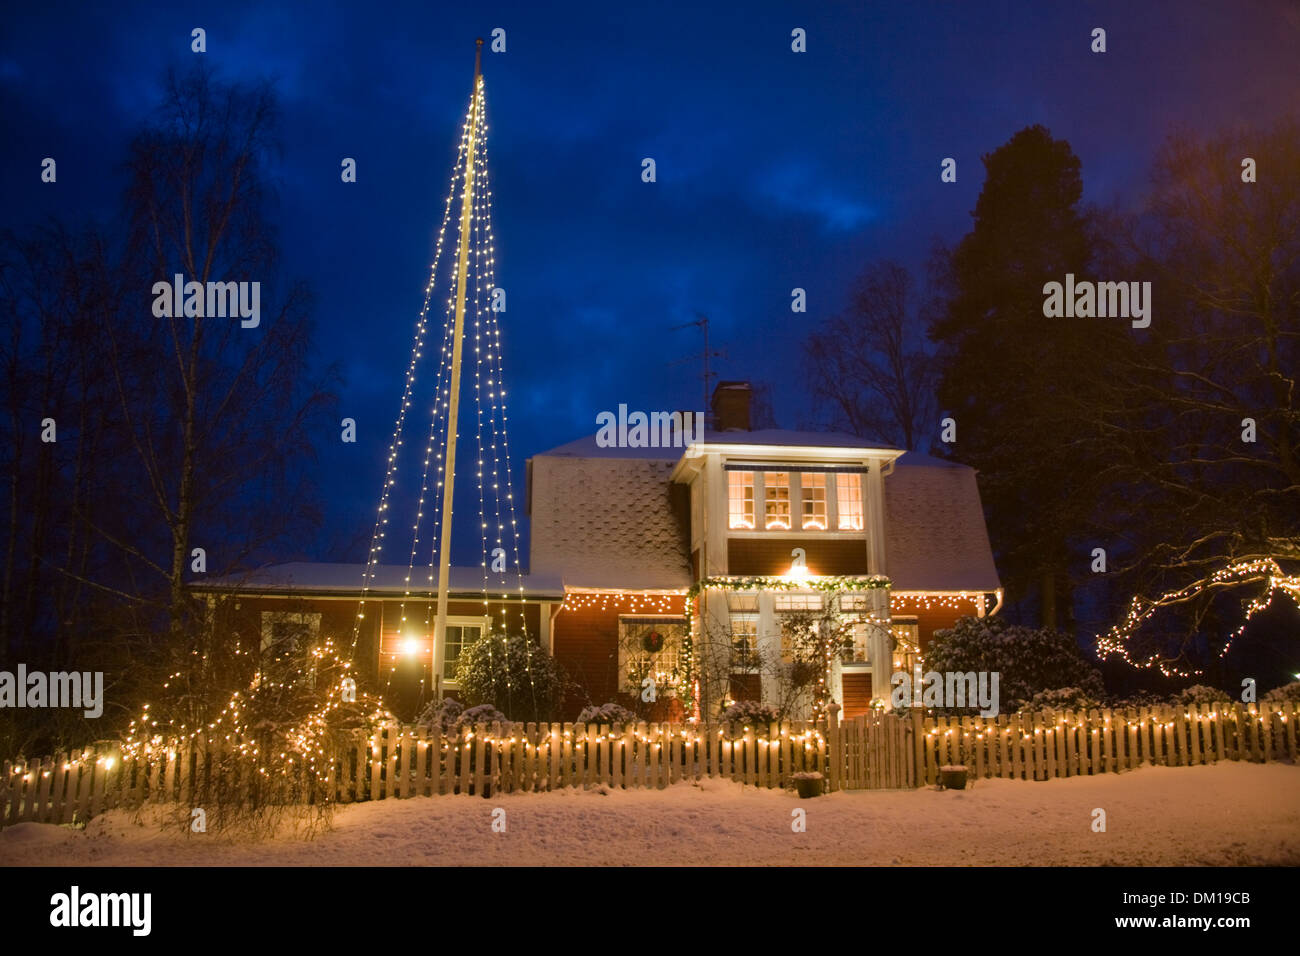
column 406, row 761
column 1049, row 744
column 872, row 751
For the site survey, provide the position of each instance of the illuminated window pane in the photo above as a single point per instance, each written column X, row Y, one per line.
column 740, row 489
column 813, row 501
column 848, row 492
column 776, row 500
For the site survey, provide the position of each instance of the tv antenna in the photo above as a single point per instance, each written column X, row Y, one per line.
column 701, row 322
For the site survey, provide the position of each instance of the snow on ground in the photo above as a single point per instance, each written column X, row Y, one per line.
column 1225, row 814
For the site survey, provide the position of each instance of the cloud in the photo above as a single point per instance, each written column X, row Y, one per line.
column 805, row 188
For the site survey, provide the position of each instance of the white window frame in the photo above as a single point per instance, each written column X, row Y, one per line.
column 753, row 500
column 270, row 618
column 484, row 625
column 790, row 487
column 861, row 503
column 826, row 502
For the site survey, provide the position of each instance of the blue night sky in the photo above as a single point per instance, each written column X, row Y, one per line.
column 775, row 169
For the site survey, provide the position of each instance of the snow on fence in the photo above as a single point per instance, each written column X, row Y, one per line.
column 406, row 761
column 1039, row 746
column 871, row 751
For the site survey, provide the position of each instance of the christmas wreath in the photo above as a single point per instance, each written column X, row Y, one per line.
column 653, row 642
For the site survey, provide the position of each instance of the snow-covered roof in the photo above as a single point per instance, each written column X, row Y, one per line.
column 607, row 522
column 586, row 447
column 935, row 536
column 303, row 577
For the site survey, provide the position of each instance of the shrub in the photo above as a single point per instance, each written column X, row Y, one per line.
column 751, row 712
column 451, row 716
column 1200, row 694
column 1143, row 698
column 1028, row 660
column 1063, row 698
column 513, row 674
column 610, row 713
column 1289, row 692
column 440, row 716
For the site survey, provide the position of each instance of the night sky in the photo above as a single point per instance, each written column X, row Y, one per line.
column 775, row 169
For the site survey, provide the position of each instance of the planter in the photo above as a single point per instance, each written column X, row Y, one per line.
column 952, row 777
column 808, row 786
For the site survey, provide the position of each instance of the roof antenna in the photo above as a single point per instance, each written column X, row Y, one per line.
column 701, row 322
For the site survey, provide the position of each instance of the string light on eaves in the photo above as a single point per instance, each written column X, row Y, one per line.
column 672, row 604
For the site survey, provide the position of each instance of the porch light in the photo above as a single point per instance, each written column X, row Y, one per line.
column 411, row 647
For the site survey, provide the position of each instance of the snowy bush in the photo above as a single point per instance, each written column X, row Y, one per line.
column 751, row 712
column 1063, row 698
column 513, row 674
column 439, row 716
column 1289, row 692
column 1200, row 694
column 610, row 713
column 482, row 714
column 451, row 717
column 1143, row 698
column 1029, row 660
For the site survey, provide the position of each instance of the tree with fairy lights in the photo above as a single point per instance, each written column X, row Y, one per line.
column 1205, row 459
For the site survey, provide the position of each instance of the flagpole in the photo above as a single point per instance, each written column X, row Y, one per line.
column 449, row 470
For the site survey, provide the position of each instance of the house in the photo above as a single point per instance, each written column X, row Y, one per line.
column 683, row 578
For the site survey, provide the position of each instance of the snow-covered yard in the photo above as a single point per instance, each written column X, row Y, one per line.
column 1226, row 814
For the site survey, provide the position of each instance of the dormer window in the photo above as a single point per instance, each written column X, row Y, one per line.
column 740, row 490
column 848, row 494
column 812, row 500
column 776, row 501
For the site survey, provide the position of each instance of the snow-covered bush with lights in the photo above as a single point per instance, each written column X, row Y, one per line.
column 610, row 713
column 1286, row 692
column 514, row 674
column 1028, row 660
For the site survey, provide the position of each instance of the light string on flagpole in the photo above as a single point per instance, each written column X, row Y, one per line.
column 486, row 252
column 421, row 329
column 478, row 214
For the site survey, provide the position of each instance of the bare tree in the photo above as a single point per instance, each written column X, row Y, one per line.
column 870, row 372
column 1206, row 457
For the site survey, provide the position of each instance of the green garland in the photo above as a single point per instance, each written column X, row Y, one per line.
column 828, row 583
column 832, row 582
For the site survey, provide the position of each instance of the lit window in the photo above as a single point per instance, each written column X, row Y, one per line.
column 813, row 501
column 740, row 486
column 776, row 500
column 459, row 636
column 848, row 492
column 797, row 602
column 744, row 641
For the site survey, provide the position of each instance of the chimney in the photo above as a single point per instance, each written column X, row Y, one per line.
column 731, row 401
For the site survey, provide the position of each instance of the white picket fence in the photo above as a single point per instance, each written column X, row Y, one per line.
column 868, row 752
